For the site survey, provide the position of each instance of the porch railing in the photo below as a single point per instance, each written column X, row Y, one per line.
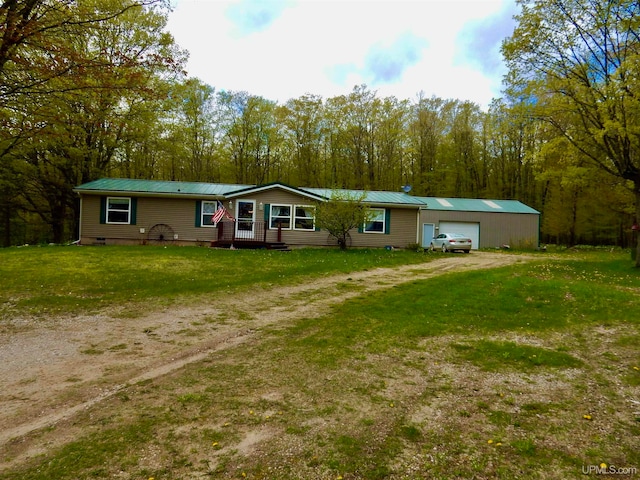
column 247, row 231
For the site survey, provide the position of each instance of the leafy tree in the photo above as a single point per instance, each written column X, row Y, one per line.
column 390, row 143
column 337, row 170
column 73, row 107
column 469, row 175
column 361, row 114
column 425, row 135
column 341, row 214
column 511, row 141
column 251, row 136
column 192, row 126
column 145, row 144
column 42, row 41
column 303, row 121
column 576, row 63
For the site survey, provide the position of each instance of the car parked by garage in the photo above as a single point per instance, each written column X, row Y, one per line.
column 449, row 242
column 488, row 223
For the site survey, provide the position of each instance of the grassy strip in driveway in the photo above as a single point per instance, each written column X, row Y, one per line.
column 522, row 372
column 59, row 280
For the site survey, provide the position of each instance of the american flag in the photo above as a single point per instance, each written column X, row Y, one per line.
column 220, row 213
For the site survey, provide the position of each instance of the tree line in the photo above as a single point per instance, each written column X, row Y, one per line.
column 96, row 88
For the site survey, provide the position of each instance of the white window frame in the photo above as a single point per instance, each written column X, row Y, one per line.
column 109, row 210
column 273, row 217
column 208, row 215
column 295, row 217
column 374, row 219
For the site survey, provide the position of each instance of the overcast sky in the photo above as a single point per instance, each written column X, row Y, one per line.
column 282, row 49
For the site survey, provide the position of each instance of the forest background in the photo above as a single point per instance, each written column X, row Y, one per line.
column 97, row 88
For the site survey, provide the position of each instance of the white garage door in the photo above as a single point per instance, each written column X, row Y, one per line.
column 471, row 230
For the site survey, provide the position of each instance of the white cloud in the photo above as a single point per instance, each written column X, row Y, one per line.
column 284, row 49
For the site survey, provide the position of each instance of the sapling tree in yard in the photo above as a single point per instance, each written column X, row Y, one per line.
column 341, row 214
column 576, row 64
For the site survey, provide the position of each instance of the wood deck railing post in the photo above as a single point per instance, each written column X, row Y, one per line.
column 279, row 231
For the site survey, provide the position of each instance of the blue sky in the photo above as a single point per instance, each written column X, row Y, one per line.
column 282, row 49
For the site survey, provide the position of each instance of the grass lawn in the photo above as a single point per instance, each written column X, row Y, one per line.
column 530, row 372
column 61, row 280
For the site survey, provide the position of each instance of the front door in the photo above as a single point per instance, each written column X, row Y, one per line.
column 245, row 219
column 427, row 234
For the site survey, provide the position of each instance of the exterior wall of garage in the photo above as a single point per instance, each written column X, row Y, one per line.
column 496, row 229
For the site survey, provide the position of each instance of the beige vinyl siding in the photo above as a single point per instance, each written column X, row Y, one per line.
column 178, row 213
column 402, row 229
column 496, row 229
column 95, row 232
column 517, row 230
column 283, row 197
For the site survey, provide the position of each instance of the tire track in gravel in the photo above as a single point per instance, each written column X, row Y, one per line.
column 46, row 399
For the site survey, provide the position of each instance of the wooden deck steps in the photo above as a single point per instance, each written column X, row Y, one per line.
column 251, row 244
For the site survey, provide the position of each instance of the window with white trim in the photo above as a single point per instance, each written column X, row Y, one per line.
column 207, row 212
column 304, row 217
column 376, row 223
column 280, row 215
column 118, row 210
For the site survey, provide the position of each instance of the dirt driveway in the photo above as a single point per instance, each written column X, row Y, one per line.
column 53, row 369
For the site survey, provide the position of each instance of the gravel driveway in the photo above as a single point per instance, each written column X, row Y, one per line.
column 52, row 369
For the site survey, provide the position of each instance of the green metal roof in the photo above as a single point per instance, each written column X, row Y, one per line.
column 477, row 205
column 126, row 185
column 371, row 197
column 161, row 187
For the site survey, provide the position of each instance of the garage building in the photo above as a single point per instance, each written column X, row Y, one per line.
column 489, row 223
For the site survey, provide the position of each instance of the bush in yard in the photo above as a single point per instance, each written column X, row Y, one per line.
column 341, row 214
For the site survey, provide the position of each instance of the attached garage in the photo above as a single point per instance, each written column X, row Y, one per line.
column 489, row 223
column 468, row 229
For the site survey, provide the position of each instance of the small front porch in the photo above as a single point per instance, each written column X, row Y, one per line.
column 250, row 235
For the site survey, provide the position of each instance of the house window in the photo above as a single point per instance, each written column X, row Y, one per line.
column 304, row 217
column 208, row 209
column 118, row 210
column 376, row 223
column 280, row 216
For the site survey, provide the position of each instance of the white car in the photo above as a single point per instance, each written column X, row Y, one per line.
column 448, row 242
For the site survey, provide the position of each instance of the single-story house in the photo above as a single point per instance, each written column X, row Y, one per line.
column 489, row 223
column 128, row 211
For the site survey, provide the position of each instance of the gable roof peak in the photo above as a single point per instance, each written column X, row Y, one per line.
column 275, row 185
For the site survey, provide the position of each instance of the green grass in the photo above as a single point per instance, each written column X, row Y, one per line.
column 59, row 280
column 528, row 299
column 486, row 374
column 95, row 453
column 497, row 356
